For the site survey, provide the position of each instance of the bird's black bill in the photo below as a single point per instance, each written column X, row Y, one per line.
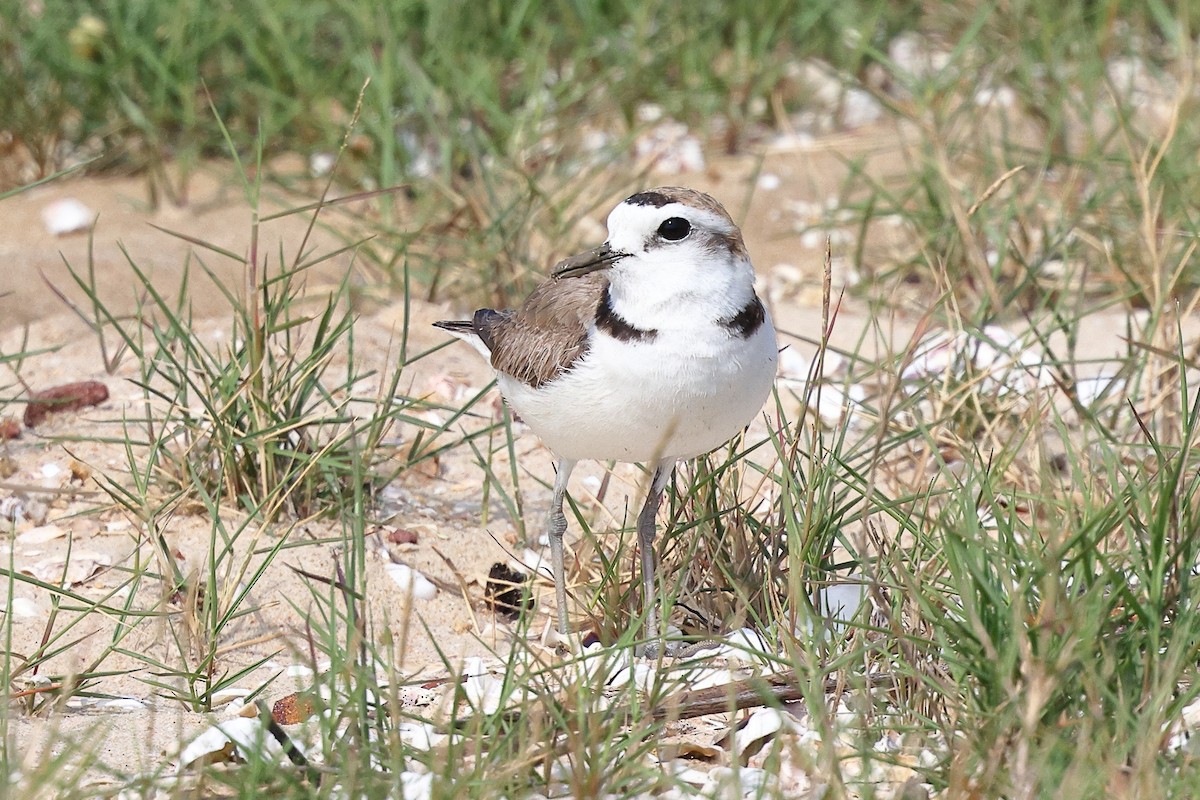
column 584, row 263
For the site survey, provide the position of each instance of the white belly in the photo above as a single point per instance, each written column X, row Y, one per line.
column 676, row 396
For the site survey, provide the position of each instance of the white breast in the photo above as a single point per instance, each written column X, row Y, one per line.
column 677, row 396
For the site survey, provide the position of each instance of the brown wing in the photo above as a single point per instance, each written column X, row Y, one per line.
column 539, row 341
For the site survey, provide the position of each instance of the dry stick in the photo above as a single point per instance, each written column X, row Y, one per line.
column 226, row 649
column 294, row 753
column 991, row 190
column 774, row 689
column 462, row 586
column 30, row 488
column 54, row 687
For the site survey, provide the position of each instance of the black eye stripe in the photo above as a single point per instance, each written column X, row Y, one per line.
column 674, row 228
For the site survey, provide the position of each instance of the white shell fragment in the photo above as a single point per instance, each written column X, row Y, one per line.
column 83, row 566
column 230, row 694
column 21, row 608
column 613, row 669
column 769, row 182
column 841, row 601
column 793, row 365
column 41, row 535
column 67, row 215
column 745, row 645
column 483, row 690
column 762, row 724
column 1097, row 388
column 1181, row 734
column 859, row 108
column 416, row 785
column 17, row 508
column 835, row 403
column 670, row 149
column 411, row 581
column 420, row 735
column 1001, row 362
column 321, row 164
column 122, row 704
column 710, row 678
column 745, row 782
column 532, row 561
column 241, row 738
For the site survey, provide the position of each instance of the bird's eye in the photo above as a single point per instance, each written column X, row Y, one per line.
column 674, row 229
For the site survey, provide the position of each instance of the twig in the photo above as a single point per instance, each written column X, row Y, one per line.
column 991, row 190
column 30, row 488
column 54, row 687
column 294, row 754
column 225, row 649
column 774, row 689
column 778, row 688
column 462, row 585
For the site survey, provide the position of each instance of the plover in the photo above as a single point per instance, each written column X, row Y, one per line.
column 651, row 348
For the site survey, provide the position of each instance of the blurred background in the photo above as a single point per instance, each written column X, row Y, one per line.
column 504, row 130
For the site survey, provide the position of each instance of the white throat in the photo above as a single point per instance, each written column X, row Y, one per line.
column 678, row 294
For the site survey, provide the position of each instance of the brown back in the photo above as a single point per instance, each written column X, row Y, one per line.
column 539, row 341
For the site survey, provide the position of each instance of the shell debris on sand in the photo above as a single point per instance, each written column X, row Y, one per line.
column 412, row 582
column 67, row 215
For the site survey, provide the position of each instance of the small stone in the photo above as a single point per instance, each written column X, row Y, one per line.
column 67, row 397
column 402, row 536
column 293, row 708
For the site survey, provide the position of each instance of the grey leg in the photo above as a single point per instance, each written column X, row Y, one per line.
column 556, row 526
column 645, row 533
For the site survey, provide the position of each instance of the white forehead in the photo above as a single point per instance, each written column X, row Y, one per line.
column 641, row 219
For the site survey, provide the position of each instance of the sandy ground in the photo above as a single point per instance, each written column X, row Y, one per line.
column 443, row 508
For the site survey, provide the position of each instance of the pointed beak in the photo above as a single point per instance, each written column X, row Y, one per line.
column 600, row 258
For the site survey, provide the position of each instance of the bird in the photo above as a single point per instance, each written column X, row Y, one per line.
column 652, row 348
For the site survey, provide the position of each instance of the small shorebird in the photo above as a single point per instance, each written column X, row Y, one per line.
column 651, row 348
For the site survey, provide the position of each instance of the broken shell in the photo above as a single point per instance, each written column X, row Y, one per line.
column 67, row 215
column 411, row 582
column 238, row 739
